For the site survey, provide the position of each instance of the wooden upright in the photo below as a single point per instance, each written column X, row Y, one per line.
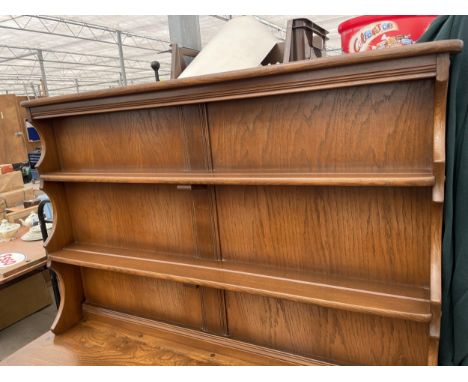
column 288, row 214
column 14, row 145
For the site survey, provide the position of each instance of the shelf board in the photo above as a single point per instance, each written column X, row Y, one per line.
column 405, row 302
column 247, row 178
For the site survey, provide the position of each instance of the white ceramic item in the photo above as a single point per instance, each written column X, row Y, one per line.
column 11, row 258
column 8, row 230
column 35, row 233
column 32, row 219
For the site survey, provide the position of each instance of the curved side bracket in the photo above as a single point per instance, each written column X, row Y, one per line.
column 69, row 276
column 62, row 231
column 72, row 297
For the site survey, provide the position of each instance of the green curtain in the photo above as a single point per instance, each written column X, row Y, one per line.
column 453, row 348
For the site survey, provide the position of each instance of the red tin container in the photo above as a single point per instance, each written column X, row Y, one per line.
column 374, row 32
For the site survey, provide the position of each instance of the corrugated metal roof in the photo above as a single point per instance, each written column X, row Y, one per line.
column 82, row 50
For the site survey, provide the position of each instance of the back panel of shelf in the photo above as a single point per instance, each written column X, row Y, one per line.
column 381, row 128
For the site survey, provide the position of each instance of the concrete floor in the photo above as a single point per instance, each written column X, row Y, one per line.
column 22, row 332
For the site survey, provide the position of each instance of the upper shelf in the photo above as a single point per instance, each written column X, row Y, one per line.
column 404, row 302
column 247, row 178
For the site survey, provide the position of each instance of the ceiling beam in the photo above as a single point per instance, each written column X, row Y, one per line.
column 56, row 26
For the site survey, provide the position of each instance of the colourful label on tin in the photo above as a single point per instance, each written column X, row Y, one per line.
column 378, row 35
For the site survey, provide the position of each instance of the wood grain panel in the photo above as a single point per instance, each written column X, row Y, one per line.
column 339, row 336
column 206, row 228
column 370, row 233
column 134, row 140
column 360, row 129
column 170, row 301
column 133, row 216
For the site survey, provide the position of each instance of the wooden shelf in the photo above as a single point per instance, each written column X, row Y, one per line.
column 247, row 178
column 106, row 338
column 396, row 301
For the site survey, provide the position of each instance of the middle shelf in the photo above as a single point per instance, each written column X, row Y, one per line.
column 247, row 178
column 398, row 301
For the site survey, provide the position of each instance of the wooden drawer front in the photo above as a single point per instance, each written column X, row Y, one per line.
column 169, row 301
column 150, row 217
column 335, row 335
column 141, row 140
column 371, row 233
column 376, row 128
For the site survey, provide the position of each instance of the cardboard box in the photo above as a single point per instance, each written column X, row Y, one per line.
column 11, row 181
column 17, row 197
column 13, row 214
column 22, row 299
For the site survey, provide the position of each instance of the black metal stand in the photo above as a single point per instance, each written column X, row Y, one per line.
column 42, row 223
column 155, row 65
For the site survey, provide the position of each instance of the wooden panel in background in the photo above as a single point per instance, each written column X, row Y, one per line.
column 344, row 337
column 370, row 233
column 170, row 302
column 376, row 128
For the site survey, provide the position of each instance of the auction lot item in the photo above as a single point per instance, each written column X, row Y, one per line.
column 285, row 215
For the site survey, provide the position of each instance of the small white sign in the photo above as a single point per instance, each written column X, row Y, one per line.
column 11, row 258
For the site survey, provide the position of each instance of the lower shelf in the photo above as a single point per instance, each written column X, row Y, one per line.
column 105, row 337
column 397, row 301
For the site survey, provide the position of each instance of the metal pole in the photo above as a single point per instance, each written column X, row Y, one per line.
column 33, row 89
column 121, row 58
column 25, row 90
column 43, row 73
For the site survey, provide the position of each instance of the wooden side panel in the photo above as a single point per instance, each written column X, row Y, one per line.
column 141, row 140
column 370, row 233
column 375, row 128
column 152, row 217
column 144, row 297
column 334, row 335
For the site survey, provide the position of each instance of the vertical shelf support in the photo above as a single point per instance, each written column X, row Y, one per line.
column 440, row 105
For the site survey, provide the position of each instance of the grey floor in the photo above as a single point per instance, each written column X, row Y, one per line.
column 22, row 332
